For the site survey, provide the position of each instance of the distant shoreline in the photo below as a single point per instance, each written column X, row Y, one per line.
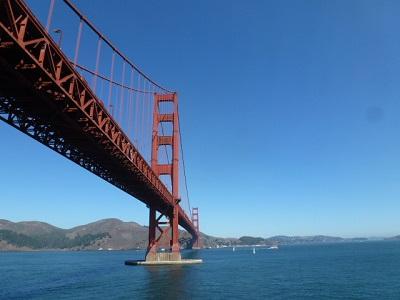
column 205, row 249
column 114, row 235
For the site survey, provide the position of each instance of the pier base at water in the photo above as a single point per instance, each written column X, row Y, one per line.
column 163, row 262
column 153, row 259
column 163, row 256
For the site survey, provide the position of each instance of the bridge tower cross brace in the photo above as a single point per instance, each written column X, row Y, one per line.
column 172, row 169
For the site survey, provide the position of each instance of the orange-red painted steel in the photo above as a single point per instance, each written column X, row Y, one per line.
column 195, row 220
column 42, row 95
column 171, row 169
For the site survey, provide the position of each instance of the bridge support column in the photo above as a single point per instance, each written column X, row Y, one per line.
column 152, row 246
column 171, row 168
column 175, row 247
column 159, row 234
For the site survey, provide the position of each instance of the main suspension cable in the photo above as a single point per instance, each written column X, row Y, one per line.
column 83, row 68
column 183, row 164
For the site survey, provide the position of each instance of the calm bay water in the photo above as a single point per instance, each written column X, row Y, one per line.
column 368, row 270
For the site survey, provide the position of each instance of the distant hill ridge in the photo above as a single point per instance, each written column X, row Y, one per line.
column 118, row 235
column 107, row 233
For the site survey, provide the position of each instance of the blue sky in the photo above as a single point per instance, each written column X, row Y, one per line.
column 289, row 112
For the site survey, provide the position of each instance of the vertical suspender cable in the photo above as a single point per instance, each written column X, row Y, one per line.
column 137, row 108
column 146, row 120
column 96, row 71
column 142, row 118
column 121, row 105
column 50, row 15
column 183, row 163
column 78, row 42
column 102, row 91
column 109, row 104
column 130, row 122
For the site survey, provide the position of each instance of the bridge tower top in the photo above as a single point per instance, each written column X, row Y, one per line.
column 170, row 168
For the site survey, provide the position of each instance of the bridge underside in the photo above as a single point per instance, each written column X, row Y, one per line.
column 44, row 97
column 33, row 113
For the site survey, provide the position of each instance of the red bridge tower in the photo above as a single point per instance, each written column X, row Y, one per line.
column 170, row 229
column 195, row 220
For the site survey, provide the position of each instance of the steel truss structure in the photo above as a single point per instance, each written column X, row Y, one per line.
column 43, row 96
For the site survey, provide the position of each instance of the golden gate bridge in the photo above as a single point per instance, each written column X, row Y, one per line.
column 89, row 102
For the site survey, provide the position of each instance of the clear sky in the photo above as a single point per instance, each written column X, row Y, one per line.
column 290, row 115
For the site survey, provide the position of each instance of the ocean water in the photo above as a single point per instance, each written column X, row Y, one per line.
column 369, row 270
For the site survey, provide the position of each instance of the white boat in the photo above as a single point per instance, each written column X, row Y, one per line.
column 273, row 248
